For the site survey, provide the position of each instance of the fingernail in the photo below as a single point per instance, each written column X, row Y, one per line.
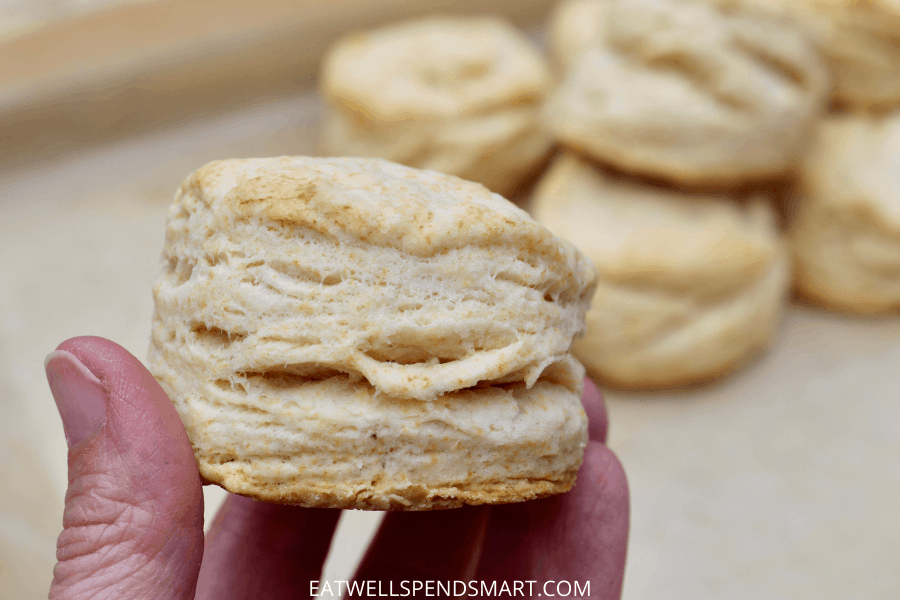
column 79, row 395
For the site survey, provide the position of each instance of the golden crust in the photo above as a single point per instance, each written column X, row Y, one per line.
column 377, row 202
column 387, row 497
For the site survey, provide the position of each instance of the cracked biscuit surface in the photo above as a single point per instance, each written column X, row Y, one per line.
column 354, row 333
column 845, row 227
column 690, row 287
column 455, row 95
column 697, row 93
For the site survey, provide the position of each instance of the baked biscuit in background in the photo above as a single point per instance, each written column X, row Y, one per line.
column 459, row 95
column 691, row 285
column 353, row 333
column 693, row 92
column 860, row 40
column 845, row 221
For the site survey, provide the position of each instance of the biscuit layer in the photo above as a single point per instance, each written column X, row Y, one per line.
column 417, row 282
column 340, row 444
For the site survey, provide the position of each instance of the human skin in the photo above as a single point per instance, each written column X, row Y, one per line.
column 133, row 520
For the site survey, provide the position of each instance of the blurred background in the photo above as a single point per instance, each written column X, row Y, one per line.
column 780, row 481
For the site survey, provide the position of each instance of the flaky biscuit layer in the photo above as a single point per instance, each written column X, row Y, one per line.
column 340, row 444
column 418, row 282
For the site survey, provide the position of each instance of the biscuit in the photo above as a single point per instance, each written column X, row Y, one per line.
column 860, row 41
column 455, row 95
column 845, row 226
column 691, row 285
column 691, row 92
column 353, row 333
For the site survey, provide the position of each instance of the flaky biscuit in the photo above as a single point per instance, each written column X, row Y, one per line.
column 845, row 230
column 691, row 92
column 690, row 287
column 456, row 95
column 358, row 334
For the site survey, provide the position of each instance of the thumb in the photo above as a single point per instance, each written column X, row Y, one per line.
column 133, row 521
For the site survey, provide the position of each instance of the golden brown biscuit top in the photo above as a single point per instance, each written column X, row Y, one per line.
column 378, row 202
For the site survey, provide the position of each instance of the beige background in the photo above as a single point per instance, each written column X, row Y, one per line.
column 781, row 482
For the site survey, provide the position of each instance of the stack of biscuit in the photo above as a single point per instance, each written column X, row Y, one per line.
column 679, row 124
column 673, row 115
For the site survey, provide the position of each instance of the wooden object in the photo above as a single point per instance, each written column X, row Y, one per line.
column 133, row 66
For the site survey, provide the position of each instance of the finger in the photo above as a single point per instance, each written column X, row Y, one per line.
column 442, row 545
column 133, row 520
column 581, row 536
column 416, row 547
column 262, row 550
column 595, row 407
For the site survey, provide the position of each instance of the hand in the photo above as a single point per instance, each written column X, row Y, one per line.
column 133, row 520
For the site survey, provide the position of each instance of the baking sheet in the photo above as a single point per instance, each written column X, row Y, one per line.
column 779, row 482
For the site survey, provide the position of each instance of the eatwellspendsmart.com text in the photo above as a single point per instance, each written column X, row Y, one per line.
column 451, row 588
